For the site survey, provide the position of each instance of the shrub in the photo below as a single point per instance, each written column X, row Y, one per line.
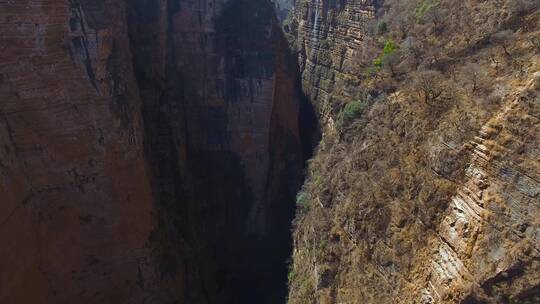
column 378, row 62
column 349, row 113
column 290, row 276
column 301, row 199
column 382, row 27
column 424, row 7
column 387, row 57
column 388, row 50
column 432, row 40
column 389, row 47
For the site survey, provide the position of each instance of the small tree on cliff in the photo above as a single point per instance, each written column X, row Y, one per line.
column 349, row 113
column 430, row 85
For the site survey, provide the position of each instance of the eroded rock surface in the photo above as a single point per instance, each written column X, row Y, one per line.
column 75, row 199
column 329, row 39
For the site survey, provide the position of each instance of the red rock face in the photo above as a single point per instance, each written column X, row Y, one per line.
column 136, row 151
column 76, row 209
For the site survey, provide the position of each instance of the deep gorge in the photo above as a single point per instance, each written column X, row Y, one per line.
column 201, row 100
column 227, row 133
column 269, row 151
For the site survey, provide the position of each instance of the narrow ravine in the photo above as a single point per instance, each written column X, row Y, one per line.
column 150, row 151
column 163, row 151
column 227, row 134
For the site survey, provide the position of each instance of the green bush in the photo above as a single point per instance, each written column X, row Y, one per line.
column 389, row 47
column 378, row 62
column 388, row 50
column 349, row 113
column 290, row 276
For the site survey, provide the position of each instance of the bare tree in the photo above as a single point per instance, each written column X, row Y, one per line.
column 430, row 84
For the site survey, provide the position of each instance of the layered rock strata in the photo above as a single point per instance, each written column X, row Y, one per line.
column 329, row 38
column 487, row 242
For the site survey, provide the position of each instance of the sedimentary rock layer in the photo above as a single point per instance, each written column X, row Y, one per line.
column 329, row 39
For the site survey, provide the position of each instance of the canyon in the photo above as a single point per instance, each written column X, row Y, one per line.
column 258, row 151
column 151, row 151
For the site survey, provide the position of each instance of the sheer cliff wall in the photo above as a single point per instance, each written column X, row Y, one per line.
column 75, row 197
column 151, row 151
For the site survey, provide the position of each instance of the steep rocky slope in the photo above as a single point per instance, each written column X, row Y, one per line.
column 425, row 187
column 150, row 151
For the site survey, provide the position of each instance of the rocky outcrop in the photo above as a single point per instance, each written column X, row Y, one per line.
column 329, row 37
column 151, row 151
column 487, row 242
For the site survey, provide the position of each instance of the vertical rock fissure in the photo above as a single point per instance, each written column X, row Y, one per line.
column 227, row 133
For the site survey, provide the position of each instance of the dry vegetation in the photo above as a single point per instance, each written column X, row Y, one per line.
column 378, row 186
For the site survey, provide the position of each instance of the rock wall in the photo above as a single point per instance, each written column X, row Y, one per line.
column 75, row 201
column 329, row 37
column 151, row 151
column 487, row 241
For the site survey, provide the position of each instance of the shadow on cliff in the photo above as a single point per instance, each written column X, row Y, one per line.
column 221, row 237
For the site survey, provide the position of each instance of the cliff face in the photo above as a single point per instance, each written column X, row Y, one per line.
column 151, row 151
column 76, row 204
column 227, row 115
column 424, row 188
column 329, row 37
